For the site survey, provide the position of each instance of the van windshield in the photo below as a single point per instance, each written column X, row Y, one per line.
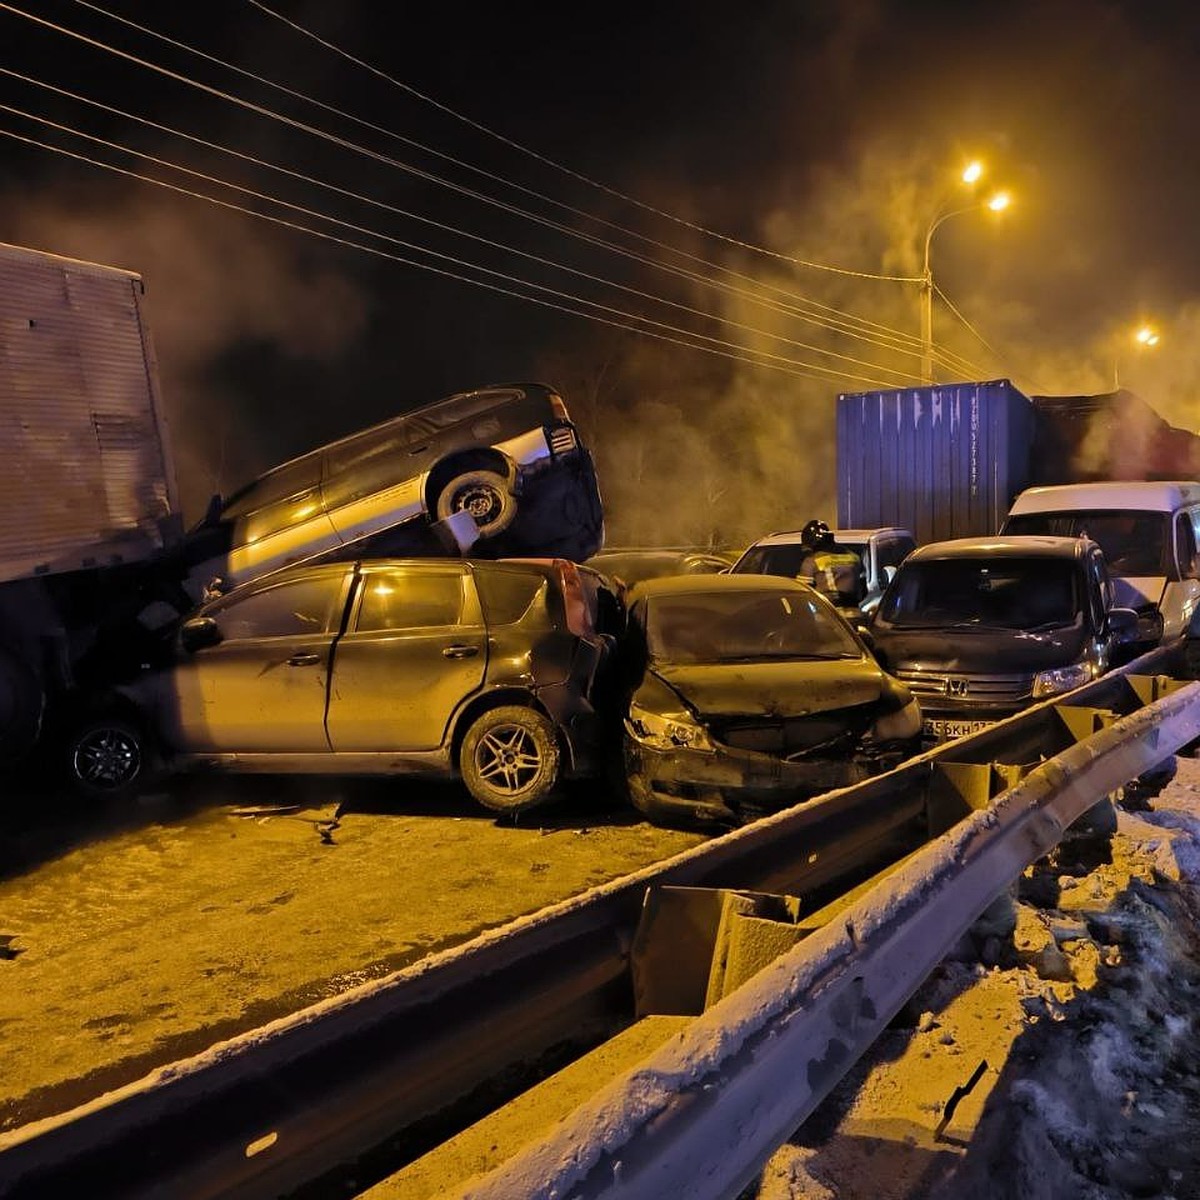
column 992, row 593
column 1134, row 543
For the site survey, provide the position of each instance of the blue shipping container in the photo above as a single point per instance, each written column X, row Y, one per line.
column 944, row 461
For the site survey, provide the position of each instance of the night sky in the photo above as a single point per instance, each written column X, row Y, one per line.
column 827, row 132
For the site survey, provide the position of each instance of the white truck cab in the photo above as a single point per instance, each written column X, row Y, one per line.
column 1150, row 534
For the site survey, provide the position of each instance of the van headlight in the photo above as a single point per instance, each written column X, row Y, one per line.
column 899, row 726
column 669, row 731
column 1061, row 679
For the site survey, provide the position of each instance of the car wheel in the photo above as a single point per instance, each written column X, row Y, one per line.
column 106, row 757
column 485, row 495
column 510, row 758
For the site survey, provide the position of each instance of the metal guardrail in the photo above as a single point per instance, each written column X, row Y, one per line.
column 275, row 1108
column 699, row 1118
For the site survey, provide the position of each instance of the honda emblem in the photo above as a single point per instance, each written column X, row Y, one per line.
column 957, row 687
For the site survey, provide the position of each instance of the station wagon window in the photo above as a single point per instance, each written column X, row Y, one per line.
column 287, row 610
column 457, row 409
column 410, row 600
column 281, row 484
column 369, row 463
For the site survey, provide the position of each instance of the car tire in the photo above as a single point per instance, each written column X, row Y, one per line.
column 485, row 495
column 106, row 758
column 510, row 758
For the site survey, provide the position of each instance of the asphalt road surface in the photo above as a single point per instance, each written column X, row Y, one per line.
column 134, row 935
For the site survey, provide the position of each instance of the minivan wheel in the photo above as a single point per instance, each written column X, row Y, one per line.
column 105, row 758
column 510, row 758
column 485, row 495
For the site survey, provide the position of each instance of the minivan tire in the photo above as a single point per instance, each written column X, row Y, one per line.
column 510, row 758
column 106, row 758
column 485, row 495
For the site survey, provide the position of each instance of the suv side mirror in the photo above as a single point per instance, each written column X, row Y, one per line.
column 1126, row 626
column 198, row 633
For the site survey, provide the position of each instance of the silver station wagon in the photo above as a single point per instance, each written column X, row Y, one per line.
column 508, row 455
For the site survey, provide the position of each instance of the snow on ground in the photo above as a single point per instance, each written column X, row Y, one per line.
column 1059, row 1061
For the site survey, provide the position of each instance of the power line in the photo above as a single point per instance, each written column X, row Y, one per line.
column 1000, row 358
column 788, row 366
column 112, row 110
column 850, row 318
column 344, row 143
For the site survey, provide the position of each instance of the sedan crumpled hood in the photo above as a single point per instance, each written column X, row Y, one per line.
column 789, row 688
column 998, row 651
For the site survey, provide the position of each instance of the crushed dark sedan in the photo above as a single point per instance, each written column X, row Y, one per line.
column 750, row 692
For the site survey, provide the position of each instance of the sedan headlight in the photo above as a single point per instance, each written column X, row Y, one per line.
column 667, row 731
column 1061, row 679
column 898, row 726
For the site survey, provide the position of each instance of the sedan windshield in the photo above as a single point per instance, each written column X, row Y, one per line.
column 993, row 593
column 715, row 627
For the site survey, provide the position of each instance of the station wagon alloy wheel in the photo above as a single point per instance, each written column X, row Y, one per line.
column 510, row 758
column 106, row 757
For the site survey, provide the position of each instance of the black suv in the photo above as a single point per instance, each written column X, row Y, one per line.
column 981, row 627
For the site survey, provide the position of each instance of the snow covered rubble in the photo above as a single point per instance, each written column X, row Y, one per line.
column 1058, row 1062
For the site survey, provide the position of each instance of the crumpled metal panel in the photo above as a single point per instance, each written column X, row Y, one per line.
column 87, row 476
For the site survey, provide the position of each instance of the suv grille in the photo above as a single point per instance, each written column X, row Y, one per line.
column 978, row 689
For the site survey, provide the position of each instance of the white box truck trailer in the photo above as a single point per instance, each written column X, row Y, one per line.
column 87, row 487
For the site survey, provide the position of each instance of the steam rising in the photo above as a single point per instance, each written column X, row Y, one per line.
column 859, row 115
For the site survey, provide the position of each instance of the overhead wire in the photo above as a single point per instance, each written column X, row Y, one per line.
column 335, row 139
column 968, row 326
column 780, row 362
column 650, row 208
column 850, row 321
column 256, row 161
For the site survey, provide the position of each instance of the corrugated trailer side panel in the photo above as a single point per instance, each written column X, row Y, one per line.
column 88, row 476
column 943, row 461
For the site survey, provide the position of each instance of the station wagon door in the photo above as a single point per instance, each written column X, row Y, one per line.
column 262, row 688
column 415, row 647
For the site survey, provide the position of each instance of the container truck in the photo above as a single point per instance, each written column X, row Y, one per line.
column 948, row 460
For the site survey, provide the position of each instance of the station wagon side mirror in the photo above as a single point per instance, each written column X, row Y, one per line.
column 199, row 633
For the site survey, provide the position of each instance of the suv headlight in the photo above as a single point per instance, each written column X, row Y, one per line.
column 898, row 726
column 1061, row 679
column 670, row 731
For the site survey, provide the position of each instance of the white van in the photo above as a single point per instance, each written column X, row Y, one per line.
column 1149, row 532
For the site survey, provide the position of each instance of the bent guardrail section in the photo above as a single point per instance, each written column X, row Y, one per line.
column 700, row 1117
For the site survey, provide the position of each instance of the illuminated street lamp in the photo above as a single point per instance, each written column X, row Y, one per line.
column 1145, row 337
column 996, row 203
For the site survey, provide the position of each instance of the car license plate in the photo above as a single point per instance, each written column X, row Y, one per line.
column 947, row 730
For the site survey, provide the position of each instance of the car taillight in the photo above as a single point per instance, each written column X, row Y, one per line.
column 558, row 408
column 575, row 601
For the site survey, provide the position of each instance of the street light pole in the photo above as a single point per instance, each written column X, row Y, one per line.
column 997, row 204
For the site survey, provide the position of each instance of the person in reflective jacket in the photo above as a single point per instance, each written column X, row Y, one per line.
column 835, row 571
